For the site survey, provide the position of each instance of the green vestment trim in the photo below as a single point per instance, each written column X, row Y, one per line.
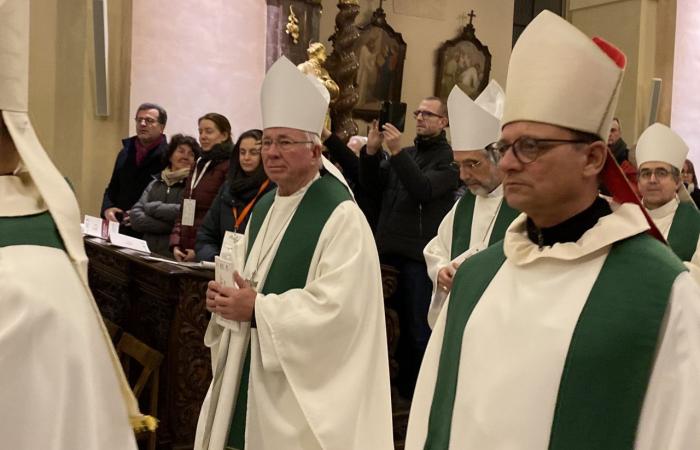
column 462, row 223
column 685, row 228
column 290, row 266
column 610, row 356
column 36, row 229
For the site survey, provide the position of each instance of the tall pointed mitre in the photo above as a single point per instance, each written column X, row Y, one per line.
column 53, row 188
column 559, row 76
column 662, row 144
column 291, row 99
column 475, row 123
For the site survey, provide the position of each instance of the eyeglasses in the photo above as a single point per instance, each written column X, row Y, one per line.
column 659, row 173
column 526, row 149
column 425, row 113
column 148, row 120
column 466, row 164
column 281, row 144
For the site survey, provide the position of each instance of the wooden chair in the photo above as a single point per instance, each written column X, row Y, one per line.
column 131, row 348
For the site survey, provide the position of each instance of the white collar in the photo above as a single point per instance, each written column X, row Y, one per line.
column 626, row 220
column 664, row 210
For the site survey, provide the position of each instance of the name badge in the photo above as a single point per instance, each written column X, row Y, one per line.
column 188, row 208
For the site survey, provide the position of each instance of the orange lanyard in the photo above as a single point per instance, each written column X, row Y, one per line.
column 239, row 219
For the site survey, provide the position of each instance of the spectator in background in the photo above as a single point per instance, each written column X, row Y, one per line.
column 155, row 213
column 416, row 185
column 617, row 145
column 346, row 158
column 691, row 181
column 206, row 177
column 230, row 211
column 140, row 158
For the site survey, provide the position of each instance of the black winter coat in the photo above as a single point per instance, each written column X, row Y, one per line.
column 218, row 221
column 128, row 181
column 417, row 187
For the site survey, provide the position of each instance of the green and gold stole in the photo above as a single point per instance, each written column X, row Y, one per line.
column 462, row 223
column 685, row 228
column 290, row 266
column 610, row 356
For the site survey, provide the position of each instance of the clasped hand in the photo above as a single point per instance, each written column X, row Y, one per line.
column 232, row 303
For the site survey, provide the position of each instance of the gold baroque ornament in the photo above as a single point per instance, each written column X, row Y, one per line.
column 292, row 28
column 350, row 2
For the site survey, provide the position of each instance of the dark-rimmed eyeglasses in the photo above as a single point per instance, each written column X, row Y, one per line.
column 425, row 113
column 282, row 144
column 526, row 149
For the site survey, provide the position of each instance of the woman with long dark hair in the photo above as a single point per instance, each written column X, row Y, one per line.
column 230, row 210
column 206, row 177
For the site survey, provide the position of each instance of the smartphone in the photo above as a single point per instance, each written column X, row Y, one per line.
column 393, row 113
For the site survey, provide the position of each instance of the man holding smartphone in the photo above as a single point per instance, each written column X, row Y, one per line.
column 415, row 186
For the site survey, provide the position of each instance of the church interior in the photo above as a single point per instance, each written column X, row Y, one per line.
column 92, row 63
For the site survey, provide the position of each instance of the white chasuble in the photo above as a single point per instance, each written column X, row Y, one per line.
column 319, row 374
column 438, row 251
column 516, row 341
column 58, row 386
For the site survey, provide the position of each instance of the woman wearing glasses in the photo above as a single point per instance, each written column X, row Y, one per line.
column 206, row 177
column 230, row 211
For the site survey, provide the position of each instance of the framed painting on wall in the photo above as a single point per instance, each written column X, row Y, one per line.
column 381, row 53
column 463, row 61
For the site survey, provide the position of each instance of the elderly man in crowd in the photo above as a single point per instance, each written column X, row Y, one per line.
column 300, row 344
column 140, row 159
column 580, row 330
column 481, row 217
column 416, row 186
column 61, row 385
column 660, row 155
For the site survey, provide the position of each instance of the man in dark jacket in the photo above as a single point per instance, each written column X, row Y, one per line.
column 140, row 158
column 417, row 187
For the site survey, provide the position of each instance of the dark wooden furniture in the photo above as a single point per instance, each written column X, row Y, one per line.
column 161, row 305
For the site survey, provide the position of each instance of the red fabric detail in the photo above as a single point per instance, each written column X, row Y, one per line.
column 613, row 52
column 143, row 150
column 622, row 192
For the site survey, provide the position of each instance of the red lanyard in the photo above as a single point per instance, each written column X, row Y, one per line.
column 239, row 219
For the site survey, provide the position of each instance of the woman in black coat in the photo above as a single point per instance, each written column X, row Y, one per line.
column 230, row 211
column 159, row 206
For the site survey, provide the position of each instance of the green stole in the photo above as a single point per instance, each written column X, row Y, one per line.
column 36, row 229
column 685, row 228
column 290, row 267
column 610, row 356
column 462, row 223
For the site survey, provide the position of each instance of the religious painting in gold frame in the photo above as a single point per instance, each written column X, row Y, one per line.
column 463, row 61
column 381, row 53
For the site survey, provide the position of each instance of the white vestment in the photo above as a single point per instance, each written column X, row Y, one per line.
column 319, row 375
column 663, row 218
column 515, row 344
column 58, row 386
column 437, row 252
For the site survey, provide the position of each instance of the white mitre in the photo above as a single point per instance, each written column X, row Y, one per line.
column 475, row 123
column 559, row 76
column 54, row 189
column 660, row 143
column 291, row 99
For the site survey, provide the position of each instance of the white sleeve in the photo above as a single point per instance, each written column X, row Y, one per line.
column 670, row 416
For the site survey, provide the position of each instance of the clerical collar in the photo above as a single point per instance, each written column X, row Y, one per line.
column 571, row 229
